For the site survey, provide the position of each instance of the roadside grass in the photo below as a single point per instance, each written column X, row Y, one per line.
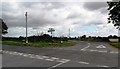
column 116, row 44
column 39, row 44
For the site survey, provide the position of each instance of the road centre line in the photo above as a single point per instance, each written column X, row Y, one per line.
column 102, row 66
column 93, row 50
column 54, row 58
column 49, row 59
column 102, row 51
column 113, row 52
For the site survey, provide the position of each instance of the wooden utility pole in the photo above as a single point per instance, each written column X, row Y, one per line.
column 26, row 28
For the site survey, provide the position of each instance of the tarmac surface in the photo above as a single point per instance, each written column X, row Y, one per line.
column 83, row 54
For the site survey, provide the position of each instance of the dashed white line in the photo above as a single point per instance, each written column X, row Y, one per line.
column 54, row 58
column 93, row 50
column 38, row 56
column 102, row 66
column 32, row 56
column 113, row 52
column 20, row 54
column 102, row 51
column 84, row 62
column 25, row 55
column 49, row 59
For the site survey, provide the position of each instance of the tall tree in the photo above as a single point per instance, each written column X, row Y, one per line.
column 4, row 27
column 114, row 13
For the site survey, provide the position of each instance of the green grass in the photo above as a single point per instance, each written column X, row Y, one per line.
column 116, row 44
column 39, row 44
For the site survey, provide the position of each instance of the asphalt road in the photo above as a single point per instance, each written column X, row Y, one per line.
column 83, row 54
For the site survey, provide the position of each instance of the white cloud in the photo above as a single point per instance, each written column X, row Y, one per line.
column 59, row 15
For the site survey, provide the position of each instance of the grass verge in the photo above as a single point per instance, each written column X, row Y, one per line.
column 39, row 44
column 116, row 44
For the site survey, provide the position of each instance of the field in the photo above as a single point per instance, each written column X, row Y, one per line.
column 116, row 44
column 39, row 44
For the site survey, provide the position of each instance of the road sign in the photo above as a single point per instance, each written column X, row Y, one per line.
column 101, row 46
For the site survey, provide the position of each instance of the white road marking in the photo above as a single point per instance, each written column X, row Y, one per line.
column 29, row 54
column 0, row 50
column 10, row 53
column 49, row 59
column 113, row 52
column 101, row 46
column 20, row 54
column 32, row 56
column 85, row 48
column 102, row 51
column 54, row 58
column 57, row 65
column 102, row 66
column 37, row 56
column 83, row 62
column 93, row 50
column 62, row 61
column 44, row 56
column 88, row 43
column 25, row 55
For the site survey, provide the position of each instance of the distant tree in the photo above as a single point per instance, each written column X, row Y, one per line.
column 115, row 36
column 4, row 27
column 114, row 13
column 84, row 36
column 90, row 37
column 110, row 36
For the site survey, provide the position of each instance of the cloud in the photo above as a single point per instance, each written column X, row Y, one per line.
column 58, row 15
column 95, row 5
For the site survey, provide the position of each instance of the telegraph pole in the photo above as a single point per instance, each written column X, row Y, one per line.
column 69, row 32
column 26, row 28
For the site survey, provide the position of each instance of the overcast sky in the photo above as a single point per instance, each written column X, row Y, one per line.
column 83, row 18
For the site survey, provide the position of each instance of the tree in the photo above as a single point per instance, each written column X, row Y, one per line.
column 84, row 36
column 4, row 27
column 114, row 13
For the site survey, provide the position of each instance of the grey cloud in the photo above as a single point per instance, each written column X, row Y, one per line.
column 54, row 5
column 72, row 16
column 6, row 7
column 27, row 4
column 95, row 5
column 14, row 20
column 104, row 10
column 95, row 22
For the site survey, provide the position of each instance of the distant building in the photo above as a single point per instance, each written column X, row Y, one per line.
column 114, row 39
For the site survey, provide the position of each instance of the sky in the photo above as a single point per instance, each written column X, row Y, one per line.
column 81, row 17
